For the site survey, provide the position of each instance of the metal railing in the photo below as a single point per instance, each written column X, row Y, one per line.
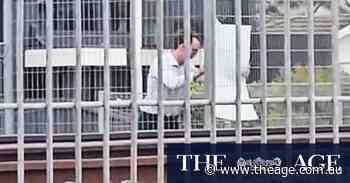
column 199, row 123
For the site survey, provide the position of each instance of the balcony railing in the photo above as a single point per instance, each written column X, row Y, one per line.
column 81, row 106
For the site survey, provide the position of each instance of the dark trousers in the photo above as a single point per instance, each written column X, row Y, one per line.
column 149, row 121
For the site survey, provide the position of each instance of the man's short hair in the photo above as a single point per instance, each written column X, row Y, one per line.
column 179, row 39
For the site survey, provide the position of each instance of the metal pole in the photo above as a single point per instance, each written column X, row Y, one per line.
column 78, row 91
column 238, row 20
column 336, row 77
column 19, row 87
column 49, row 90
column 210, row 60
column 136, row 69
column 160, row 49
column 288, row 77
column 187, row 42
column 311, row 65
column 106, row 79
column 8, row 65
column 127, row 103
column 263, row 57
column 100, row 112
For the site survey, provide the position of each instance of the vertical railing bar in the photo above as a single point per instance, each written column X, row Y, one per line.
column 263, row 56
column 210, row 64
column 138, row 42
column 8, row 65
column 188, row 47
column 31, row 42
column 311, row 64
column 238, row 20
column 135, row 45
column 49, row 90
column 213, row 72
column 78, row 91
column 187, row 42
column 106, row 82
column 336, row 76
column 20, row 90
column 160, row 50
column 288, row 81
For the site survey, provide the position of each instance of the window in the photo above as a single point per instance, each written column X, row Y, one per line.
column 173, row 20
column 64, row 23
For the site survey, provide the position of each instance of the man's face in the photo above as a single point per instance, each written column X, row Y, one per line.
column 195, row 46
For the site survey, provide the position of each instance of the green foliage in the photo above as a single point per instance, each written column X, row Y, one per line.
column 299, row 74
column 323, row 75
column 197, row 88
column 277, row 79
column 274, row 118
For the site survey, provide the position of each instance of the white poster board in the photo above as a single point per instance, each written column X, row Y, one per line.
column 343, row 49
column 226, row 71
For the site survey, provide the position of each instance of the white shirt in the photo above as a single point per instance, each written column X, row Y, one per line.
column 173, row 84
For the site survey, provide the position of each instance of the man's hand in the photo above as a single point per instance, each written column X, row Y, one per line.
column 245, row 74
column 199, row 73
column 201, row 70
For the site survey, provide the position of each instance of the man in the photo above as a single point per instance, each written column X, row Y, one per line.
column 173, row 69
